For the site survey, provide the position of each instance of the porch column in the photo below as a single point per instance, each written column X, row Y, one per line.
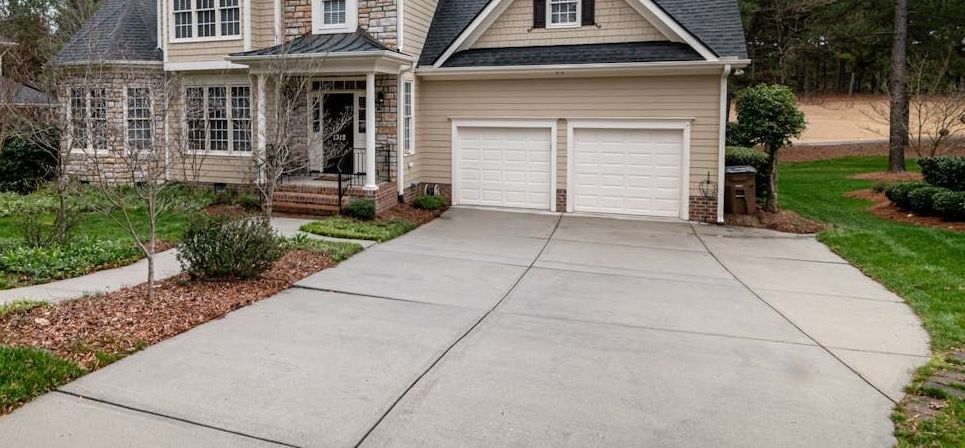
column 261, row 141
column 370, row 129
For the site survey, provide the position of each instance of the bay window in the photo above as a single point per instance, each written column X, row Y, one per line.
column 139, row 127
column 218, row 119
column 88, row 119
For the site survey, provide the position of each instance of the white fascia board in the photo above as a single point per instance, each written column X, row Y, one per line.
column 204, row 65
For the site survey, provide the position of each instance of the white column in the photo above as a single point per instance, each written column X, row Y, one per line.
column 262, row 132
column 370, row 130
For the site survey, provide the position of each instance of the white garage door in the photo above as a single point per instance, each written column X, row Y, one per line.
column 627, row 171
column 504, row 167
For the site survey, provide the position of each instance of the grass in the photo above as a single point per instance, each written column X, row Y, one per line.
column 336, row 250
column 28, row 372
column 922, row 264
column 947, row 428
column 378, row 230
column 19, row 307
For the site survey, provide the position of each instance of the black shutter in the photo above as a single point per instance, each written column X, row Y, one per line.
column 539, row 13
column 589, row 12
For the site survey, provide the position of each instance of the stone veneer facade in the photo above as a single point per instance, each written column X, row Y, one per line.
column 379, row 17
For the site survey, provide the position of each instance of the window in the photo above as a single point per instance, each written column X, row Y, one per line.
column 138, row 118
column 88, row 119
column 333, row 12
column 218, row 119
column 362, row 114
column 206, row 18
column 408, row 139
column 564, row 12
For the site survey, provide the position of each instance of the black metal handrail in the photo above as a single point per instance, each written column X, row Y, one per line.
column 383, row 169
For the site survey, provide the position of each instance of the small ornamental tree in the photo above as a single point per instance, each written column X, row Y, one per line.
column 768, row 116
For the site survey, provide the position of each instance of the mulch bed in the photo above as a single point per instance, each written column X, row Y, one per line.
column 782, row 221
column 883, row 208
column 884, row 176
column 817, row 151
column 119, row 323
column 412, row 214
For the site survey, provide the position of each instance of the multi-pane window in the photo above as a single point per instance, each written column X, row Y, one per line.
column 138, row 118
column 183, row 23
column 206, row 18
column 333, row 12
column 362, row 114
column 407, row 117
column 88, row 118
column 564, row 12
column 218, row 118
column 230, row 18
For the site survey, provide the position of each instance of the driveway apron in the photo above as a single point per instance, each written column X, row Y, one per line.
column 488, row 328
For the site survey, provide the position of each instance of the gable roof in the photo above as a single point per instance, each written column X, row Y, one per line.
column 716, row 23
column 120, row 30
column 359, row 41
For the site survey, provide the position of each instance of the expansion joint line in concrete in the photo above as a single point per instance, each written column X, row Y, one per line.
column 783, row 316
column 462, row 337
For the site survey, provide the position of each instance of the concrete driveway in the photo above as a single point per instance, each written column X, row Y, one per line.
column 508, row 329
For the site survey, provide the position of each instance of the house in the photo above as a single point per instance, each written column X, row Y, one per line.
column 14, row 94
column 591, row 106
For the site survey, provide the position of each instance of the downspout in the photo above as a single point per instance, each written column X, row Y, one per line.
column 723, row 141
column 400, row 146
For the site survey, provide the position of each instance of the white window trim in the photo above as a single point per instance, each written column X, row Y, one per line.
column 207, row 151
column 351, row 18
column 660, row 124
column 411, row 109
column 126, row 97
column 549, row 16
column 242, row 20
column 89, row 148
column 548, row 124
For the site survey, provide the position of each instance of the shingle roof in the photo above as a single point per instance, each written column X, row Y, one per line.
column 321, row 44
column 120, row 30
column 716, row 23
column 12, row 92
column 575, row 54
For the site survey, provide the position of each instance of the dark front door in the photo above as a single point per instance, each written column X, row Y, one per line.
column 339, row 131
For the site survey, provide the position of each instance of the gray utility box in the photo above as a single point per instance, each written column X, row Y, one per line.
column 740, row 190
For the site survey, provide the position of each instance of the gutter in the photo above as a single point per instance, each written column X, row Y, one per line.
column 576, row 69
column 723, row 142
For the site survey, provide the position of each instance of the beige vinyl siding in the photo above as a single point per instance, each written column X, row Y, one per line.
column 617, row 20
column 214, row 50
column 417, row 16
column 262, row 23
column 695, row 97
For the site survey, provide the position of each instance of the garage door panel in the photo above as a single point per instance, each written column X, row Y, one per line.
column 514, row 171
column 627, row 171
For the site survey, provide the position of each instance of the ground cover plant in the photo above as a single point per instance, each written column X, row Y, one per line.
column 375, row 230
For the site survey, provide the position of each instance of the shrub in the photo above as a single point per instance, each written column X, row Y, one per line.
column 363, row 209
column 922, row 200
column 898, row 193
column 216, row 247
column 429, row 202
column 249, row 201
column 738, row 156
column 944, row 171
column 25, row 165
column 736, row 136
column 950, row 205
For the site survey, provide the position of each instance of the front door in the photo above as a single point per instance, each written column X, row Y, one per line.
column 333, row 128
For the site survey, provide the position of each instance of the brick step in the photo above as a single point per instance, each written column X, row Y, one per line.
column 315, row 189
column 306, row 198
column 305, row 209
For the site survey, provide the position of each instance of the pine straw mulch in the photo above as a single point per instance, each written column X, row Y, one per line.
column 884, row 176
column 883, row 208
column 782, row 221
column 411, row 214
column 95, row 330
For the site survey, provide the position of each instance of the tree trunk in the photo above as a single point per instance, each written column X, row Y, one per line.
column 152, row 240
column 898, row 135
column 771, row 204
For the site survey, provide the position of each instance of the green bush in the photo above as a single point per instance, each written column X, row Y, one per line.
column 950, row 205
column 363, row 209
column 25, row 165
column 216, row 247
column 898, row 193
column 944, row 171
column 922, row 200
column 429, row 202
column 249, row 201
column 736, row 136
column 54, row 262
column 739, row 156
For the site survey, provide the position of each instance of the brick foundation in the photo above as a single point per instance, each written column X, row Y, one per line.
column 560, row 200
column 703, row 209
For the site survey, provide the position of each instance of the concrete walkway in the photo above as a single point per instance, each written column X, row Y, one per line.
column 508, row 329
column 109, row 280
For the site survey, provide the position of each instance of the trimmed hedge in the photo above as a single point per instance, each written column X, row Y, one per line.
column 429, row 202
column 944, row 171
column 898, row 193
column 925, row 199
column 950, row 205
column 739, row 156
column 922, row 200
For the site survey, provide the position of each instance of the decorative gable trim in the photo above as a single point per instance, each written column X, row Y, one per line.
column 647, row 8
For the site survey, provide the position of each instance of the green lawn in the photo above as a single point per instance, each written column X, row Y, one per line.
column 377, row 230
column 924, row 265
column 27, row 372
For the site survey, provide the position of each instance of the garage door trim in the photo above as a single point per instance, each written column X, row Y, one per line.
column 549, row 124
column 609, row 123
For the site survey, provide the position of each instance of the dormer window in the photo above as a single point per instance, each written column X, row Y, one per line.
column 206, row 19
column 563, row 13
column 334, row 16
